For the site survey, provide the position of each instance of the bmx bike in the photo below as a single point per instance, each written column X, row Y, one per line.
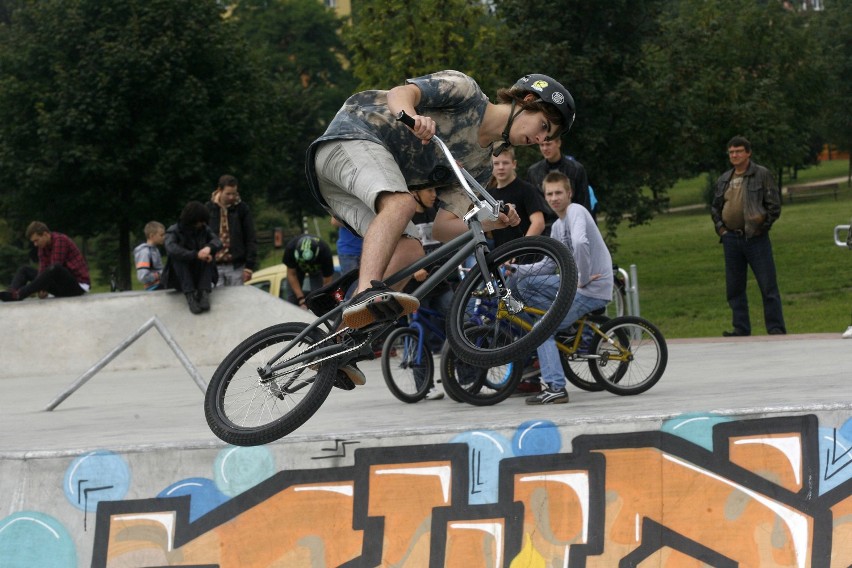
column 275, row 380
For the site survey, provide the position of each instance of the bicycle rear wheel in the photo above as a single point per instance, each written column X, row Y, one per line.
column 538, row 258
column 477, row 385
column 631, row 358
column 407, row 366
column 246, row 407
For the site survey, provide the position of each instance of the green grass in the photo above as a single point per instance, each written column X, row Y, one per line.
column 681, row 272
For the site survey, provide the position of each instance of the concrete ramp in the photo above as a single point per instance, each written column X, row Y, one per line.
column 69, row 335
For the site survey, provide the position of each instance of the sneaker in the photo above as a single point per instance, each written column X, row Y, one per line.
column 203, row 298
column 378, row 304
column 354, row 373
column 548, row 396
column 526, row 388
column 848, row 333
column 192, row 302
column 434, row 394
column 9, row 296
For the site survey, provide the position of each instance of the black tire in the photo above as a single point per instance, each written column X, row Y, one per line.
column 632, row 359
column 577, row 368
column 477, row 385
column 524, row 251
column 408, row 379
column 244, row 409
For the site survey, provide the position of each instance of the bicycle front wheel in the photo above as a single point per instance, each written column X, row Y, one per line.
column 476, row 385
column 407, row 365
column 538, row 258
column 246, row 406
column 632, row 356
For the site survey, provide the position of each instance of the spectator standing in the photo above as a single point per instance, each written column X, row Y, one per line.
column 232, row 222
column 191, row 246
column 149, row 261
column 509, row 188
column 576, row 229
column 554, row 159
column 62, row 269
column 746, row 203
column 309, row 257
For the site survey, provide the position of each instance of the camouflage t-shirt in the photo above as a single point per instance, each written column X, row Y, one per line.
column 456, row 104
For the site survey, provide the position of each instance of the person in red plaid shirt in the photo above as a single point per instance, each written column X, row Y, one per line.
column 62, row 269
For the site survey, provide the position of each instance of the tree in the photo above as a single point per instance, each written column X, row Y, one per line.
column 392, row 40
column 834, row 27
column 116, row 113
column 303, row 60
column 725, row 68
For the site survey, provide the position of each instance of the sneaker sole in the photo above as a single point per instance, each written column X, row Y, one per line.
column 380, row 308
column 558, row 400
column 358, row 378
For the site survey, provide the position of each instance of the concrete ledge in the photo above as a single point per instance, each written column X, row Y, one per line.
column 69, row 335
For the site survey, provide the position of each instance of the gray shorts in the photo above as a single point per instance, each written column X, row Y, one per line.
column 352, row 174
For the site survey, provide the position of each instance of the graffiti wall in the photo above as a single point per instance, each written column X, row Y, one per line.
column 699, row 490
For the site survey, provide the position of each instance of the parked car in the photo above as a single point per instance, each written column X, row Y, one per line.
column 274, row 280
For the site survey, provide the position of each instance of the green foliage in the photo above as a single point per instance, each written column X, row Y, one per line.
column 304, row 64
column 835, row 34
column 392, row 40
column 11, row 257
column 723, row 68
column 112, row 114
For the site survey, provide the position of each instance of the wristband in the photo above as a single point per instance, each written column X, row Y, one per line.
column 301, row 300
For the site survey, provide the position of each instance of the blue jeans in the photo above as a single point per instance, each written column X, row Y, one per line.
column 539, row 291
column 756, row 252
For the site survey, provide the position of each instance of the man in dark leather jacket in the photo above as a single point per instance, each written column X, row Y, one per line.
column 237, row 260
column 746, row 202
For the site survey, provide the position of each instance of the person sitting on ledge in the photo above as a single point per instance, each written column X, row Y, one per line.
column 191, row 247
column 62, row 269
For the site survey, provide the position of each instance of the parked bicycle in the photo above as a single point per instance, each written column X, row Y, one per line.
column 275, row 380
column 626, row 356
column 407, row 363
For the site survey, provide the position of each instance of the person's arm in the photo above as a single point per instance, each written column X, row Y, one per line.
column 296, row 287
column 406, row 98
column 580, row 246
column 536, row 224
column 771, row 200
column 716, row 206
column 447, row 226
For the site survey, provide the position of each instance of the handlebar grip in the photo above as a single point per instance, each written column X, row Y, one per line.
column 407, row 120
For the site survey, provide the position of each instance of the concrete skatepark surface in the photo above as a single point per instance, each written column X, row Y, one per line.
column 144, row 411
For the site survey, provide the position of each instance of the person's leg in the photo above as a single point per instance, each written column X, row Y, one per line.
column 348, row 262
column 363, row 185
column 762, row 262
column 56, row 280
column 23, row 276
column 229, row 275
column 736, row 268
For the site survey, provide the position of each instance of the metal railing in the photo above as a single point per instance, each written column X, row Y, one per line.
column 170, row 341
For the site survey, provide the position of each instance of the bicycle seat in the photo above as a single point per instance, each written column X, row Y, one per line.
column 323, row 300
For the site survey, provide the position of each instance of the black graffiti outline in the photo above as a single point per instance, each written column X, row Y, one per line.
column 833, row 452
column 339, row 446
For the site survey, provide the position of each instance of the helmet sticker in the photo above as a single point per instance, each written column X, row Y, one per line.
column 539, row 85
column 558, row 98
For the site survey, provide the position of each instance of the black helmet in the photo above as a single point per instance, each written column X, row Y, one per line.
column 550, row 91
column 306, row 251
